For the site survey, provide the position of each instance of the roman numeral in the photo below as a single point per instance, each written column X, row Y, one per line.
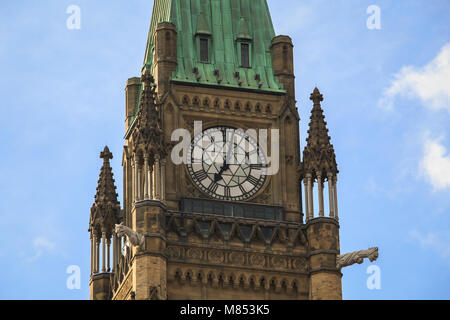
column 213, row 187
column 200, row 175
column 227, row 192
column 253, row 180
column 242, row 189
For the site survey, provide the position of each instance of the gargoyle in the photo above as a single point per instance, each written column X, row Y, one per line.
column 136, row 239
column 349, row 259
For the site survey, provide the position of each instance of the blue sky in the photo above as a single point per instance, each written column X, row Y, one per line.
column 387, row 104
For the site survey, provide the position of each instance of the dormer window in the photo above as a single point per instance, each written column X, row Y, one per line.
column 204, row 49
column 245, row 55
column 244, row 48
column 203, row 39
column 244, row 44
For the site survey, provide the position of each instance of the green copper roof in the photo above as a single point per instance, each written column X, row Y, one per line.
column 225, row 23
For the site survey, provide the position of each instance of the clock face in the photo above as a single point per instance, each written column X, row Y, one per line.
column 226, row 164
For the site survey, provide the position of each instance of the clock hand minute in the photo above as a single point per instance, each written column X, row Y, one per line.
column 226, row 165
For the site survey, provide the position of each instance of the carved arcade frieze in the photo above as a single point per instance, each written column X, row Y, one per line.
column 239, row 259
column 240, row 280
column 227, row 106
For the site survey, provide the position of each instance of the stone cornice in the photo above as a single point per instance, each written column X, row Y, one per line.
column 150, row 203
column 322, row 220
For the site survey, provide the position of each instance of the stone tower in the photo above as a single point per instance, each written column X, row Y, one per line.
column 217, row 231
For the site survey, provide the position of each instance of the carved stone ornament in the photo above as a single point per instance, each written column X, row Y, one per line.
column 173, row 252
column 300, row 264
column 136, row 239
column 352, row 258
column 257, row 260
column 194, row 253
column 216, row 256
column 279, row 262
column 237, row 258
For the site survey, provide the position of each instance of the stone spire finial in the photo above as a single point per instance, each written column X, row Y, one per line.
column 316, row 96
column 106, row 155
column 105, row 211
column 147, row 78
column 318, row 156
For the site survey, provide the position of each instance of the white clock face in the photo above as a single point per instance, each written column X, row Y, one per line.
column 226, row 164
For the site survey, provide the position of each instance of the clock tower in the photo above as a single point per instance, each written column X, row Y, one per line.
column 203, row 221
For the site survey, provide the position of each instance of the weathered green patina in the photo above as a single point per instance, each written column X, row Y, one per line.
column 226, row 24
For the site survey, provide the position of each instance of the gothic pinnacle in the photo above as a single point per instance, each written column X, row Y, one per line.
column 316, row 96
column 106, row 190
column 147, row 133
column 105, row 212
column 318, row 155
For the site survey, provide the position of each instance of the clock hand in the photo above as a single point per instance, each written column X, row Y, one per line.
column 230, row 145
column 218, row 176
column 226, row 165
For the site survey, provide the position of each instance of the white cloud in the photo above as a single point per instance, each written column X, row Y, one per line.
column 41, row 245
column 430, row 83
column 432, row 241
column 435, row 164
